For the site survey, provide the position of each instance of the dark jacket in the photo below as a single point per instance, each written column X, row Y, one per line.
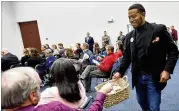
column 33, row 61
column 8, row 60
column 49, row 61
column 174, row 35
column 90, row 42
column 158, row 51
column 24, row 59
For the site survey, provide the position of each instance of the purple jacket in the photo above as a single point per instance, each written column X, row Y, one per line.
column 97, row 105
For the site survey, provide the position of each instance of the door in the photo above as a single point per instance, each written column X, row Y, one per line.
column 30, row 34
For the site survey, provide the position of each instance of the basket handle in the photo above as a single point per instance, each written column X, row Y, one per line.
column 125, row 78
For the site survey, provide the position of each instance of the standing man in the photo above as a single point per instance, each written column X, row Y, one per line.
column 105, row 40
column 174, row 34
column 121, row 36
column 89, row 40
column 147, row 48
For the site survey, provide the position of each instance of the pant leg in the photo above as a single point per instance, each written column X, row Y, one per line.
column 153, row 95
column 141, row 93
column 87, row 80
column 85, row 76
column 87, row 70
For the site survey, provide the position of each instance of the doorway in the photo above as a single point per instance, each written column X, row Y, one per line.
column 30, row 34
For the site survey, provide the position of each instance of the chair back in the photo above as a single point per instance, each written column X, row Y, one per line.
column 15, row 65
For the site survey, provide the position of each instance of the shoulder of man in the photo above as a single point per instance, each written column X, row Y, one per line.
column 158, row 27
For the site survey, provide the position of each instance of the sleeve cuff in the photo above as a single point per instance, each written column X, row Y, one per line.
column 100, row 96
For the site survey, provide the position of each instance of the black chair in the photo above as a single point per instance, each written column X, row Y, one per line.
column 57, row 56
column 15, row 65
column 26, row 64
column 41, row 70
column 87, row 103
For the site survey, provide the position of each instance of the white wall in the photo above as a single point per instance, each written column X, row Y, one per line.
column 68, row 22
column 11, row 37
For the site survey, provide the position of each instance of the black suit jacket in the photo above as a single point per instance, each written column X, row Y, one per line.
column 8, row 60
column 163, row 54
column 90, row 42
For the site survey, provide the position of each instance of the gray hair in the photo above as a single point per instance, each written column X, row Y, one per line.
column 17, row 84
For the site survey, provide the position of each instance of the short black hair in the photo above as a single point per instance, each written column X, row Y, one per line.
column 137, row 6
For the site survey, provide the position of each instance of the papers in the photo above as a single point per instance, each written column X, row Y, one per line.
column 96, row 62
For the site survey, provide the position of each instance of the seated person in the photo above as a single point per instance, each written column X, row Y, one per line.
column 96, row 48
column 20, row 89
column 119, row 48
column 68, row 53
column 78, row 50
column 86, row 55
column 49, row 58
column 67, row 91
column 25, row 57
column 7, row 60
column 101, row 69
column 55, row 50
column 48, row 47
column 66, row 83
column 42, row 54
column 34, row 58
column 61, row 49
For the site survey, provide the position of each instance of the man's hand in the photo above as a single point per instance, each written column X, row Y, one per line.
column 164, row 77
column 99, row 58
column 117, row 75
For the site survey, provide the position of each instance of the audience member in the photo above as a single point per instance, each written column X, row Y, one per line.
column 102, row 69
column 121, row 37
column 48, row 47
column 49, row 58
column 61, row 49
column 42, row 53
column 20, row 89
column 25, row 56
column 119, row 48
column 78, row 50
column 174, row 34
column 68, row 89
column 69, row 53
column 34, row 58
column 96, row 48
column 86, row 55
column 7, row 60
column 55, row 50
column 90, row 41
column 68, row 93
column 105, row 40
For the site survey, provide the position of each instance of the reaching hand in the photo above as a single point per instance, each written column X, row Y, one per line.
column 107, row 88
column 117, row 75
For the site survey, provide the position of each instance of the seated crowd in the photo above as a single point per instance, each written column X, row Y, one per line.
column 69, row 72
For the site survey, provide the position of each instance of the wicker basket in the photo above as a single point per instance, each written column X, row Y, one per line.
column 119, row 95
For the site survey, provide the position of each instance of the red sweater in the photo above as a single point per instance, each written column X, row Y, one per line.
column 107, row 62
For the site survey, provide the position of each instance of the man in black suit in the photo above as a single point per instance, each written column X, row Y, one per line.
column 153, row 55
column 7, row 60
column 90, row 41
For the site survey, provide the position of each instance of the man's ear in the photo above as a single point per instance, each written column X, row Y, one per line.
column 34, row 97
column 143, row 13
